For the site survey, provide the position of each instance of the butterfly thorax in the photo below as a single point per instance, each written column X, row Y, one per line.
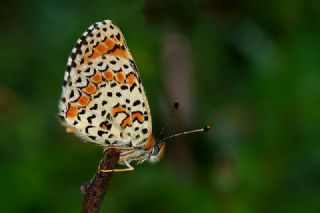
column 152, row 153
column 139, row 155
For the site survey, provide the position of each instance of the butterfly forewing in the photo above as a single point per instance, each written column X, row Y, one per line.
column 103, row 100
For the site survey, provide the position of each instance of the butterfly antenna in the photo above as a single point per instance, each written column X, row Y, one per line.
column 204, row 129
column 171, row 116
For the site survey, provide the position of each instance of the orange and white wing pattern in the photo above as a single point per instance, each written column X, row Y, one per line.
column 103, row 100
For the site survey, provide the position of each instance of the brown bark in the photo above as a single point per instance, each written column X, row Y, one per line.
column 94, row 191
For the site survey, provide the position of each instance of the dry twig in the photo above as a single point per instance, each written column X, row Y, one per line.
column 94, row 191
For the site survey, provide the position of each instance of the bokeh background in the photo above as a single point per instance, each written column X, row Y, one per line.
column 249, row 68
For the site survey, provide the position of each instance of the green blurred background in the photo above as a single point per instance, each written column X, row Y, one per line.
column 249, row 68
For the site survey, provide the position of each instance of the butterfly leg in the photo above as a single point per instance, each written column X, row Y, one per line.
column 129, row 168
column 127, row 150
column 139, row 159
column 119, row 148
column 127, row 153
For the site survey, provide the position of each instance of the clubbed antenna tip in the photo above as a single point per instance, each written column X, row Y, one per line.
column 207, row 127
column 176, row 104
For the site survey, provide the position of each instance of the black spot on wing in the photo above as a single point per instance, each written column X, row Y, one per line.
column 109, row 116
column 71, row 94
column 64, row 83
column 87, row 129
column 97, row 96
column 136, row 103
column 124, row 87
column 133, row 86
column 78, row 80
column 144, row 131
column 118, row 36
column 95, row 107
column 100, row 132
column 92, row 137
column 89, row 119
column 83, row 111
column 109, row 126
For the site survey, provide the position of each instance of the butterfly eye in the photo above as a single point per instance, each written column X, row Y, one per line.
column 156, row 150
column 157, row 153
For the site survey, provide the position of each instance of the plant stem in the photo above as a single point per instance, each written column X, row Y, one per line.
column 94, row 191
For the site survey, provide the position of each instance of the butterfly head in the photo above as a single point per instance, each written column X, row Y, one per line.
column 157, row 152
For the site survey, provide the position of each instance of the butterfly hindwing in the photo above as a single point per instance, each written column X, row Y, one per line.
column 103, row 99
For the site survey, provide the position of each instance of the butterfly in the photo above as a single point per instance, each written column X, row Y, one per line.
column 103, row 100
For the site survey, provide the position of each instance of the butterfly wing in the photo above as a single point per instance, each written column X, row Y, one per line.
column 103, row 100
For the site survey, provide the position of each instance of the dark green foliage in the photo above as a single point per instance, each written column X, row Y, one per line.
column 254, row 74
